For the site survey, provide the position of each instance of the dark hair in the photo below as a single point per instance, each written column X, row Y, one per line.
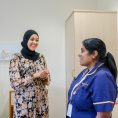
column 92, row 44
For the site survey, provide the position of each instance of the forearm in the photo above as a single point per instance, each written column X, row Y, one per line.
column 103, row 114
column 17, row 83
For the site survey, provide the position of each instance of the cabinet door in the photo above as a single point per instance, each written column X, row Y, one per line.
column 115, row 111
column 102, row 25
column 70, row 45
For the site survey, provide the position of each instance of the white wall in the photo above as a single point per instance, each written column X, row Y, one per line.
column 47, row 17
column 107, row 4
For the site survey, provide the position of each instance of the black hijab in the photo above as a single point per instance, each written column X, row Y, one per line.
column 28, row 54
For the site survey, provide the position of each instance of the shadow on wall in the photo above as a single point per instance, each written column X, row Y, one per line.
column 4, row 89
column 57, row 102
column 5, row 110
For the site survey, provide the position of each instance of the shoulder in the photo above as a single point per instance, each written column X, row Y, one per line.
column 16, row 56
column 41, row 57
column 15, row 59
column 103, row 76
column 104, row 72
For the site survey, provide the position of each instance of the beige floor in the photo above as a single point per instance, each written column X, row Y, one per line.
column 115, row 112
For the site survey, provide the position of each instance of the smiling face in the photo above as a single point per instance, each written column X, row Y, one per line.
column 33, row 42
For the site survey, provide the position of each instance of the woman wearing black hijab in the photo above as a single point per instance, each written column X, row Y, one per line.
column 29, row 78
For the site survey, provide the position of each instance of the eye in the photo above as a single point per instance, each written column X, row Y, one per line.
column 32, row 39
column 82, row 50
column 37, row 40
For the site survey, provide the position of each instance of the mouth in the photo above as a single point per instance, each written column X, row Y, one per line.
column 33, row 46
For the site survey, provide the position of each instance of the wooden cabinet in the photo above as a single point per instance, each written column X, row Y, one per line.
column 115, row 111
column 11, row 103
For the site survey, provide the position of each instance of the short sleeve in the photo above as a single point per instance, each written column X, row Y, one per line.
column 104, row 92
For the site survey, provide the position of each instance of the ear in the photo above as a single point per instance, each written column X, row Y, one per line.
column 95, row 54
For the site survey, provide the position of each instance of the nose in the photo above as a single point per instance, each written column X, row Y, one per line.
column 79, row 55
column 35, row 42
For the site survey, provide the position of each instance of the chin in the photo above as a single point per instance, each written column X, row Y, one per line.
column 82, row 64
column 32, row 49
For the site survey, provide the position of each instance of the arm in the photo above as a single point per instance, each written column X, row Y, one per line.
column 46, row 79
column 103, row 114
column 15, row 79
column 104, row 94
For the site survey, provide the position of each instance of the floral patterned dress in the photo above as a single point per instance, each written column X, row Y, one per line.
column 31, row 96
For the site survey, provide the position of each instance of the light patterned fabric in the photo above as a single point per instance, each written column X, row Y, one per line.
column 31, row 96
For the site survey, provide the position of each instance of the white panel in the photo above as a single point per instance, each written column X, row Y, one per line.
column 70, row 45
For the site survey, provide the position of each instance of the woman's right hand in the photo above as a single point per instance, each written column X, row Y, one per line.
column 41, row 74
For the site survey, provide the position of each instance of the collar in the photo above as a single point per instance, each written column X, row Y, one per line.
column 94, row 69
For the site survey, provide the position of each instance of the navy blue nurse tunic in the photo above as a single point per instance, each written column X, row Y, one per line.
column 97, row 93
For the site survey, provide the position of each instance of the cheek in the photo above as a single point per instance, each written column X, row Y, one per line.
column 37, row 43
column 85, row 59
column 29, row 43
column 88, row 60
column 30, row 46
column 83, row 56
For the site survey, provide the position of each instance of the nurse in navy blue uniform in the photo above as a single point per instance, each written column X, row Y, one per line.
column 93, row 93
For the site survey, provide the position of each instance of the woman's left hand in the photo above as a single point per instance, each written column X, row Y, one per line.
column 44, row 74
column 103, row 114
